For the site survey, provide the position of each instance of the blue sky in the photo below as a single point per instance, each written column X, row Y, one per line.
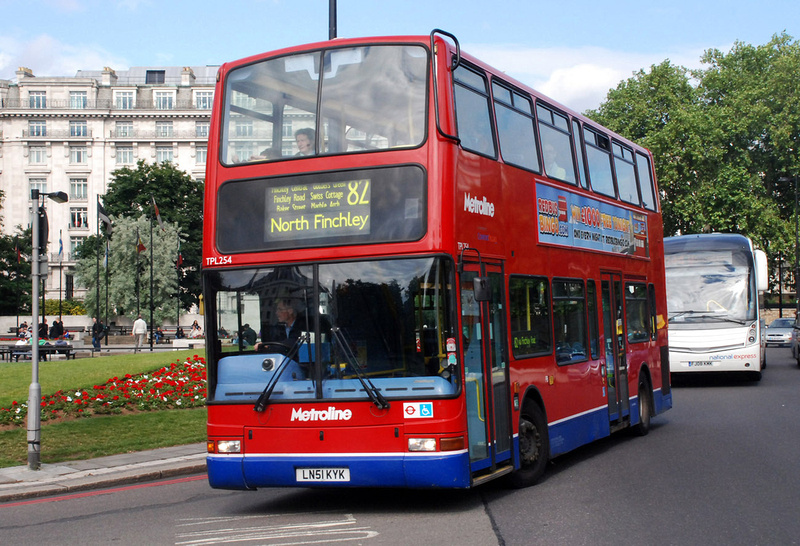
column 573, row 50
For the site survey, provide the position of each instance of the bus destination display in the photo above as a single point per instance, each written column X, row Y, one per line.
column 327, row 209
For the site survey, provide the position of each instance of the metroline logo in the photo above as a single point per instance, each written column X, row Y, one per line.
column 477, row 206
column 330, row 414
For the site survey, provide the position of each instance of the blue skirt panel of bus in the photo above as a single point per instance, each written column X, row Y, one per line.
column 439, row 470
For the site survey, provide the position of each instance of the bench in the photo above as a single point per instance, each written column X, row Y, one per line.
column 24, row 351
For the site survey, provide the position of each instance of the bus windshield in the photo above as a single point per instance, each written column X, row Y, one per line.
column 712, row 286
column 333, row 326
column 334, row 101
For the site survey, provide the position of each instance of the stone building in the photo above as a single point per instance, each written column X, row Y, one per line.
column 70, row 133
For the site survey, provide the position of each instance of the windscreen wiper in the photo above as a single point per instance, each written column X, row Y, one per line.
column 372, row 391
column 261, row 403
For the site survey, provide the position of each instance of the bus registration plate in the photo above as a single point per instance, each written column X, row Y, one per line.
column 322, row 474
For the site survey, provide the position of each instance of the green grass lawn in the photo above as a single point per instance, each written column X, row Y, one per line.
column 95, row 436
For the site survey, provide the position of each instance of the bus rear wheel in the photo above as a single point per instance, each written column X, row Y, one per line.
column 534, row 446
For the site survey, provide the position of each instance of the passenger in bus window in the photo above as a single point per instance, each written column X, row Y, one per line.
column 305, row 141
column 552, row 166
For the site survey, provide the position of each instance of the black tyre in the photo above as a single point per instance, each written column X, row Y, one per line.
column 645, row 407
column 534, row 446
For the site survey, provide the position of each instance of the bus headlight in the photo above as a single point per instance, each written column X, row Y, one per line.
column 225, row 446
column 422, row 444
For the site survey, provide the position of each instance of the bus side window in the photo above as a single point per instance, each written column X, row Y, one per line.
column 576, row 141
column 569, row 321
column 647, row 190
column 598, row 155
column 515, row 128
column 529, row 307
column 626, row 175
column 473, row 117
column 556, row 144
column 637, row 316
column 651, row 301
column 594, row 330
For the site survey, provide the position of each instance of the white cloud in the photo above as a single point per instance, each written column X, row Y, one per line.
column 46, row 56
column 579, row 78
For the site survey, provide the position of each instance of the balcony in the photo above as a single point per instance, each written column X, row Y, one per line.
column 51, row 134
column 18, row 104
column 145, row 134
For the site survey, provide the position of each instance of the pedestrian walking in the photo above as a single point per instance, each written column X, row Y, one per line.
column 138, row 332
column 98, row 330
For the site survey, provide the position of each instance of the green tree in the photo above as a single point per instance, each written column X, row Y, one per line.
column 128, row 271
column 180, row 202
column 15, row 270
column 724, row 139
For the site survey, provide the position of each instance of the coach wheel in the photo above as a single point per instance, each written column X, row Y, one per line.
column 533, row 446
column 645, row 407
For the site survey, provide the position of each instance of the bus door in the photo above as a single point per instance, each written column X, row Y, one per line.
column 616, row 347
column 486, row 369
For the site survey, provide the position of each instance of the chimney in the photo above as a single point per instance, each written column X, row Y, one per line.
column 24, row 72
column 187, row 76
column 109, row 77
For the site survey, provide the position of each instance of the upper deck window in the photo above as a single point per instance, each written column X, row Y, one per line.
column 626, row 175
column 515, row 128
column 598, row 156
column 326, row 102
column 556, row 147
column 646, row 181
column 472, row 112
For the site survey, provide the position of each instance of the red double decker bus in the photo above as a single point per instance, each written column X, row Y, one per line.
column 420, row 273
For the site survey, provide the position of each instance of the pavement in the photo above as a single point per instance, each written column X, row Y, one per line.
column 20, row 482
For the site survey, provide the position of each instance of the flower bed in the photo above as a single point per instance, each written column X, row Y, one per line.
column 178, row 385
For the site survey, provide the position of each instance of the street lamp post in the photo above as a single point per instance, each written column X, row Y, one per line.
column 35, row 390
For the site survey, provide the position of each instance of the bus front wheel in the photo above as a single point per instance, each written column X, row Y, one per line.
column 645, row 407
column 534, row 446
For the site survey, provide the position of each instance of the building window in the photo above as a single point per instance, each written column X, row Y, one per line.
column 78, row 155
column 74, row 242
column 78, row 128
column 78, row 189
column 201, row 129
column 154, row 76
column 78, row 218
column 244, row 128
column 164, row 128
column 77, row 100
column 124, row 155
column 124, row 100
column 37, row 155
column 164, row 153
column 38, row 184
column 203, row 100
column 37, row 127
column 124, row 129
column 38, row 99
column 163, row 100
column 202, row 152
